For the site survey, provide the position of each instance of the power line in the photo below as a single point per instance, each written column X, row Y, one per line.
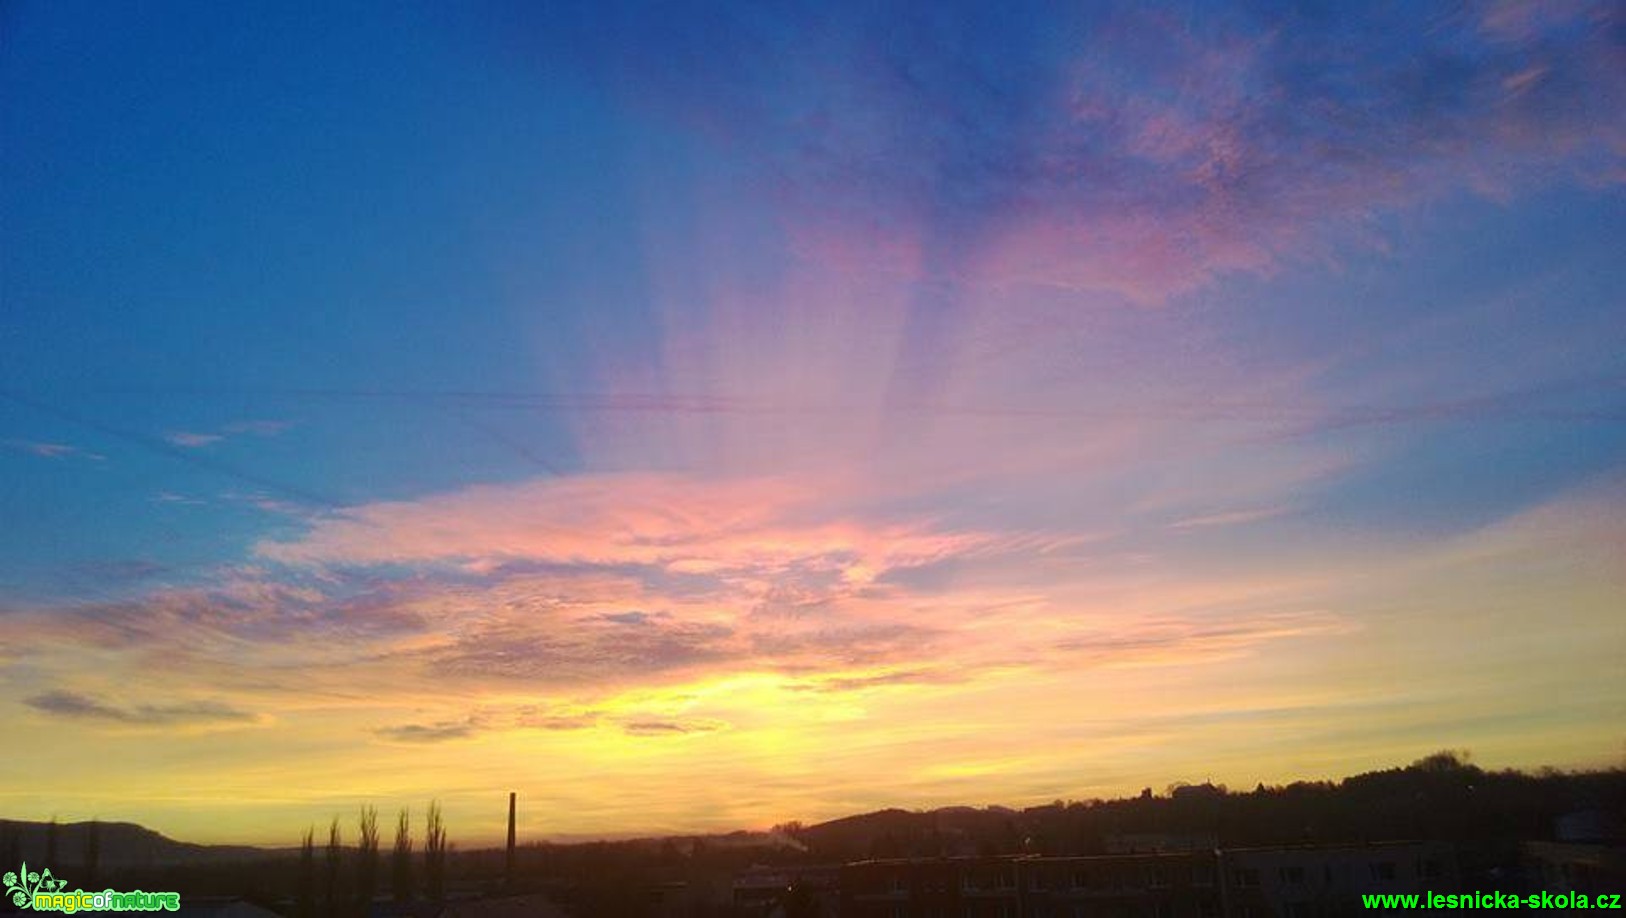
column 159, row 446
column 1511, row 405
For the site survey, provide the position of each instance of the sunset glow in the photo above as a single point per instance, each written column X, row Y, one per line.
column 701, row 421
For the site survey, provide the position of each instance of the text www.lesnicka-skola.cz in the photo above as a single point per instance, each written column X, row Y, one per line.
column 1478, row 900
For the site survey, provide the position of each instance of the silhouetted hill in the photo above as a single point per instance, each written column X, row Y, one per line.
column 119, row 845
column 1441, row 797
column 899, row 833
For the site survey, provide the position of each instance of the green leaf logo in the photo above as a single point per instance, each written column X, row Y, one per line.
column 18, row 886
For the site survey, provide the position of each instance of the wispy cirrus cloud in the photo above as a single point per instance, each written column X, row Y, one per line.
column 672, row 727
column 46, row 450
column 1228, row 518
column 192, row 439
column 839, row 683
column 444, row 731
column 1156, row 640
column 544, row 650
column 437, row 732
column 541, row 717
column 261, row 428
column 1173, row 151
column 76, row 706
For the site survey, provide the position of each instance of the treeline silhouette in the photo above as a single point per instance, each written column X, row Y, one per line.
column 338, row 892
column 1441, row 797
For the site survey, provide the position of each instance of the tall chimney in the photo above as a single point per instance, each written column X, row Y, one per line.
column 508, row 869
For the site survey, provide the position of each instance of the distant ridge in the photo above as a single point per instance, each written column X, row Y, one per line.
column 1440, row 797
column 120, row 845
column 893, row 830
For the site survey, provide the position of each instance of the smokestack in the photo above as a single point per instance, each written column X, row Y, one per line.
column 508, row 869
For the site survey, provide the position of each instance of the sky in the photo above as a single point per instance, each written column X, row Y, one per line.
column 696, row 417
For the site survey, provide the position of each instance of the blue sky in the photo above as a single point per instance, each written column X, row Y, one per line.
column 495, row 381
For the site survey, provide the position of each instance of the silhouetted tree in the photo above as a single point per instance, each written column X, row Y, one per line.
column 1443, row 762
column 330, row 884
column 50, row 845
column 434, row 853
column 367, row 859
column 306, row 895
column 401, row 878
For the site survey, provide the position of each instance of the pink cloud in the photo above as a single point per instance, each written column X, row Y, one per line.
column 679, row 523
column 192, row 440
